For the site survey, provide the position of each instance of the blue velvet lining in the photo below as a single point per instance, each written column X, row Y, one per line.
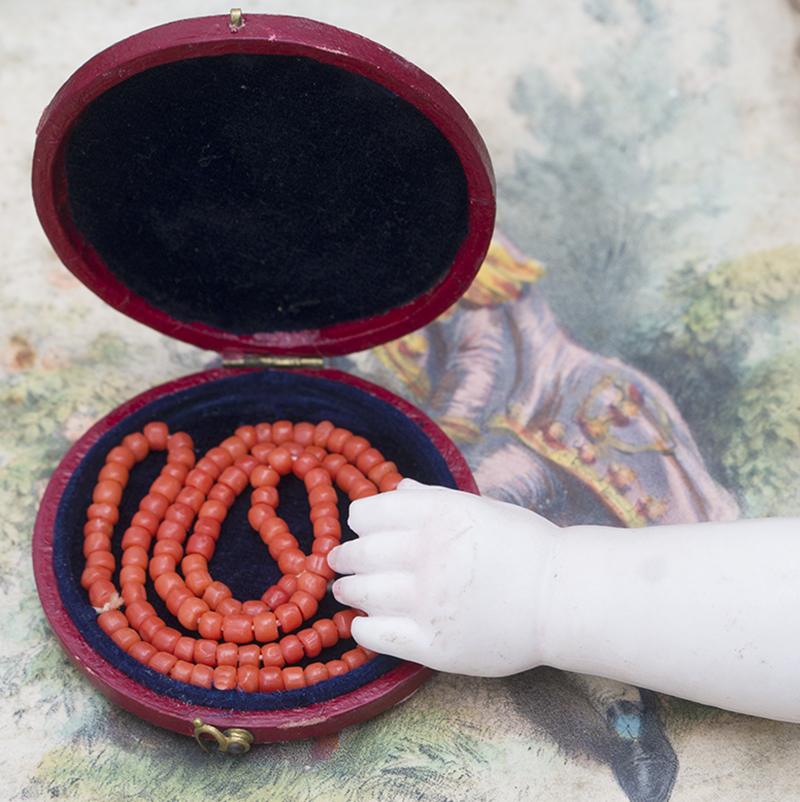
column 261, row 193
column 210, row 412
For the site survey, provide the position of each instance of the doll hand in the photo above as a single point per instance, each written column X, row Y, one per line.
column 450, row 580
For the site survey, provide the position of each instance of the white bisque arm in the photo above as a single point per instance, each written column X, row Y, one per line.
column 468, row 585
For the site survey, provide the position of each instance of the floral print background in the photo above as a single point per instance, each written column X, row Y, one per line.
column 648, row 161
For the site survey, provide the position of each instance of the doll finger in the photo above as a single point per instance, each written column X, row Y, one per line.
column 408, row 511
column 394, row 636
column 377, row 554
column 384, row 594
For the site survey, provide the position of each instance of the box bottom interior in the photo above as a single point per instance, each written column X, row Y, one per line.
column 210, row 412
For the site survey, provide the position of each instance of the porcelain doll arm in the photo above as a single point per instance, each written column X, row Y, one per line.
column 473, row 586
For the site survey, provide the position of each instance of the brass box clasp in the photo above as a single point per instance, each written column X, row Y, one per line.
column 235, row 741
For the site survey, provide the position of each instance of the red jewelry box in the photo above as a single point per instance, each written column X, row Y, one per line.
column 279, row 191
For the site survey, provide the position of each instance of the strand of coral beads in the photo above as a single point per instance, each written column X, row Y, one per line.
column 251, row 645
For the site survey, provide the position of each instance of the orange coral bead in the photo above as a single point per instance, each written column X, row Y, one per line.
column 326, row 509
column 215, row 593
column 123, row 455
column 111, row 621
column 266, row 494
column 259, row 513
column 235, row 446
column 234, row 478
column 354, row 447
column 114, row 472
column 292, row 648
column 237, row 628
column 202, row 545
column 183, row 456
column 156, row 434
column 264, row 476
column 179, row 440
column 289, row 616
column 210, row 625
column 380, row 470
column 193, row 562
column 313, row 584
column 270, row 679
column 328, row 633
column 279, row 542
column 136, row 536
column 336, row 668
column 315, row 672
column 205, row 652
column 167, row 486
column 253, row 607
column 102, row 559
column 248, row 435
column 390, row 482
column 197, row 580
column 363, row 489
column 225, row 678
column 176, row 598
column 98, row 525
column 92, row 574
column 171, row 547
column 311, row 640
column 101, row 592
column 369, row 459
column 132, row 592
column 132, row 573
column 250, row 655
column 104, row 510
column 182, row 671
column 208, row 526
column 288, row 582
column 147, row 520
column 192, row 498
column 354, row 658
column 293, row 678
column 305, row 602
column 227, row 654
column 247, row 678
column 272, row 655
column 326, row 526
column 265, row 627
column 343, row 621
column 229, row 606
column 318, row 564
column 202, row 676
column 190, row 611
column 292, row 561
column 184, row 649
column 107, row 492
column 161, row 564
column 166, row 639
column 125, row 637
column 137, row 612
column 337, row 438
column 280, row 459
column 321, row 433
column 142, row 651
column 149, row 627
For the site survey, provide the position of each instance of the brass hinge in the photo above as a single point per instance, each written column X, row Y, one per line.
column 272, row 361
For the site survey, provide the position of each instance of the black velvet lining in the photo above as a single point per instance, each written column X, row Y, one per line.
column 210, row 413
column 262, row 193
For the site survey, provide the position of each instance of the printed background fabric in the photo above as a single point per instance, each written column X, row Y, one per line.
column 627, row 356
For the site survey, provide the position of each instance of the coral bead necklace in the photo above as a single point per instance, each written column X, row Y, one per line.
column 252, row 645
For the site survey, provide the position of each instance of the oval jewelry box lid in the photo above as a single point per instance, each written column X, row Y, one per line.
column 282, row 187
